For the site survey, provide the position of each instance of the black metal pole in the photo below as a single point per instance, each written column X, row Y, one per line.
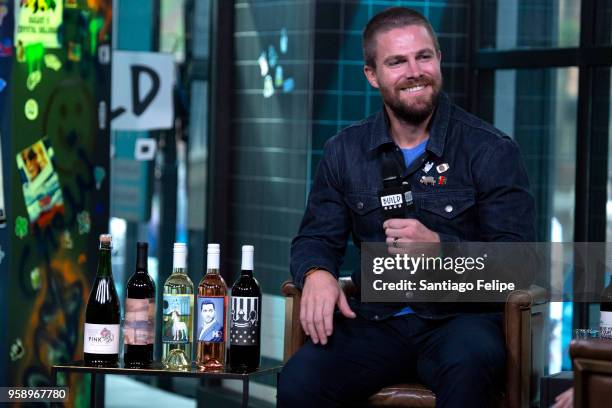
column 590, row 200
column 221, row 130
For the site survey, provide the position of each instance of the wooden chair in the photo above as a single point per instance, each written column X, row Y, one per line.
column 592, row 360
column 524, row 321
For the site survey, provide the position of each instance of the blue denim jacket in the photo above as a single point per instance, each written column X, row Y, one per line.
column 482, row 197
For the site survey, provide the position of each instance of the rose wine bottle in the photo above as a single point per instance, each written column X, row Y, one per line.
column 211, row 307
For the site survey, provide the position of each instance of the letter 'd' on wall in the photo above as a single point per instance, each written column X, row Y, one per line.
column 142, row 84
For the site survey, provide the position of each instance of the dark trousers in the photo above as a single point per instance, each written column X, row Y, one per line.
column 461, row 359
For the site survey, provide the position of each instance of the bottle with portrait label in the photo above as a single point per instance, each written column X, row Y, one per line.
column 211, row 307
column 139, row 324
column 177, row 314
column 245, row 318
column 101, row 334
column 605, row 309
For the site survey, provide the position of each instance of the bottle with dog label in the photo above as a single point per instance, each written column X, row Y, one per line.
column 177, row 314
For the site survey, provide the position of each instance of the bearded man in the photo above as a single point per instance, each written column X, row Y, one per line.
column 468, row 183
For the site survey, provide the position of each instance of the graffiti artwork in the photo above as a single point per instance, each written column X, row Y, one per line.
column 41, row 189
column 59, row 161
column 38, row 21
column 2, row 186
column 271, row 70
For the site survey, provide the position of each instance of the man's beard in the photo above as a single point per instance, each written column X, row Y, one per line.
column 417, row 113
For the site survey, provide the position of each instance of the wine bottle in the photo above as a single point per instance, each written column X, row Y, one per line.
column 605, row 309
column 177, row 314
column 139, row 325
column 245, row 320
column 101, row 334
column 211, row 307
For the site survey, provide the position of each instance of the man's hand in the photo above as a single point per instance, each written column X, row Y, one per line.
column 407, row 231
column 565, row 399
column 320, row 295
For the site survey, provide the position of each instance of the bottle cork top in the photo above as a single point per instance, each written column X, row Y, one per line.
column 106, row 241
column 247, row 257
column 180, row 247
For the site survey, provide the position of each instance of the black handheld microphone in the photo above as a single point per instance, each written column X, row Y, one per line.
column 395, row 196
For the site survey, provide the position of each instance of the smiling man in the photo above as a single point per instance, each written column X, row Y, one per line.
column 468, row 183
column 210, row 328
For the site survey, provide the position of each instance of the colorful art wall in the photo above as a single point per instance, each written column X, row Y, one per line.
column 55, row 64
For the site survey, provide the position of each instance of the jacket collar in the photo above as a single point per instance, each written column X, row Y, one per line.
column 379, row 135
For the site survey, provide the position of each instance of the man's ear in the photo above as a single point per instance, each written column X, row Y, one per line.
column 370, row 74
column 439, row 56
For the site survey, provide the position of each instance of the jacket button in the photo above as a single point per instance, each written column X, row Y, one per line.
column 376, row 317
column 360, row 205
column 448, row 208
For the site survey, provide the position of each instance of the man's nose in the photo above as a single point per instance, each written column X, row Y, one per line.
column 413, row 69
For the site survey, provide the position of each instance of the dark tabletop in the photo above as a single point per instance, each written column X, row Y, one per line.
column 158, row 369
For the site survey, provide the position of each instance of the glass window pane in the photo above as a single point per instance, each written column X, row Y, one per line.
column 538, row 109
column 511, row 24
column 603, row 22
column 608, row 74
column 609, row 203
column 172, row 28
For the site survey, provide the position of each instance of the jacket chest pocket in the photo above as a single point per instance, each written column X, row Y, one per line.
column 449, row 211
column 366, row 216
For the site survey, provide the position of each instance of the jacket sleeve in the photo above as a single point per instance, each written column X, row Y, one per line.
column 506, row 213
column 506, row 208
column 322, row 237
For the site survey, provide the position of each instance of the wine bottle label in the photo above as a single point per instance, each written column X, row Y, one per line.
column 101, row 338
column 605, row 325
column 244, row 322
column 176, row 328
column 139, row 326
column 211, row 319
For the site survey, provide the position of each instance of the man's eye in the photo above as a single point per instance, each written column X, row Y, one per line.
column 424, row 57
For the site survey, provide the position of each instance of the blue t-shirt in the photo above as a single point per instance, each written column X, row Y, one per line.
column 411, row 155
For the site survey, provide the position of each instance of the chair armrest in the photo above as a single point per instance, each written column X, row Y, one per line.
column 525, row 298
column 592, row 349
column 288, row 289
column 294, row 335
column 348, row 286
column 592, row 360
column 523, row 329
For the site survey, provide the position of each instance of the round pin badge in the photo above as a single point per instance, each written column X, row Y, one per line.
column 31, row 109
